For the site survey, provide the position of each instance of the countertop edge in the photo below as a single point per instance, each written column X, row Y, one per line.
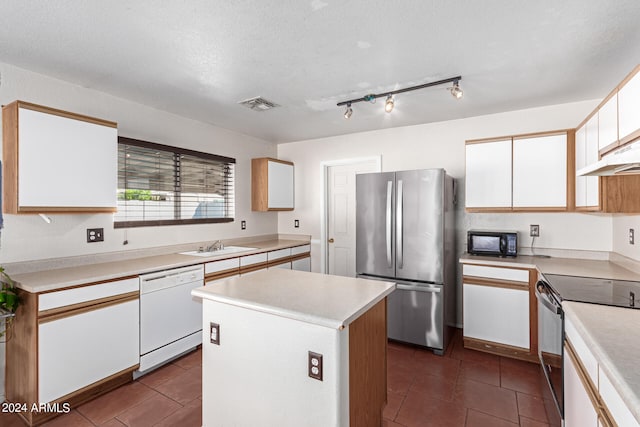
column 292, row 314
column 629, row 397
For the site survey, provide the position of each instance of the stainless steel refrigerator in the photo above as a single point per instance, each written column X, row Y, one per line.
column 405, row 233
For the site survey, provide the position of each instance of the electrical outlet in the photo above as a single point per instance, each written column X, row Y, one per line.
column 534, row 230
column 296, row 223
column 315, row 365
column 243, row 225
column 214, row 333
column 95, row 235
column 632, row 234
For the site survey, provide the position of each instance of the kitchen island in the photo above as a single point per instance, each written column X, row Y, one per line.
column 292, row 348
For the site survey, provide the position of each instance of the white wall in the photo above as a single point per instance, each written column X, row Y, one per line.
column 27, row 237
column 621, row 226
column 441, row 145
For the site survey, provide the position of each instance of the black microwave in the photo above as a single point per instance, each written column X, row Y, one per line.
column 494, row 243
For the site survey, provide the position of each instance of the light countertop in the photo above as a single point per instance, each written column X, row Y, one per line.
column 614, row 342
column 321, row 299
column 52, row 279
column 564, row 266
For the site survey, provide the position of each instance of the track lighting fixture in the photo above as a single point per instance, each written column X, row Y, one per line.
column 388, row 104
column 456, row 91
column 348, row 112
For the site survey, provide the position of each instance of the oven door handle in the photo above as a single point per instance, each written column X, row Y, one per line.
column 547, row 303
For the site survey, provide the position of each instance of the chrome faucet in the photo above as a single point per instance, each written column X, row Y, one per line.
column 215, row 246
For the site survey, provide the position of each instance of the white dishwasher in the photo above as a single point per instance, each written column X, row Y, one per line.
column 170, row 318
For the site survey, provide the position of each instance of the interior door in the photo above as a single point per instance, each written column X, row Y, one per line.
column 341, row 216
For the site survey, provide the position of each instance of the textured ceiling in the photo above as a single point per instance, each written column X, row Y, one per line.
column 199, row 58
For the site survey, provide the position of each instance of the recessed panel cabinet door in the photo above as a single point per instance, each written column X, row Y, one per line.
column 488, row 174
column 540, row 172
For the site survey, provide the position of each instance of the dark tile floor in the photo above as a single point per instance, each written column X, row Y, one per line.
column 463, row 388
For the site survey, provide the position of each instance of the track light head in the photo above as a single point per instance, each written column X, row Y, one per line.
column 456, row 91
column 348, row 112
column 389, row 104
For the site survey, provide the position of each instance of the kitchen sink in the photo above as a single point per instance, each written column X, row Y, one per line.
column 227, row 250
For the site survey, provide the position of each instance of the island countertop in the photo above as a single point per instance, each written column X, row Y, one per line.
column 321, row 299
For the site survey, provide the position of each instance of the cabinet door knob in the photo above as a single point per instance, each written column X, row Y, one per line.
column 331, row 240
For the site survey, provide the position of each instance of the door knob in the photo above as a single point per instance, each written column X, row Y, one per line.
column 331, row 240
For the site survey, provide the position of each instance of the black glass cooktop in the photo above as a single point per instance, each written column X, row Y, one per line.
column 619, row 293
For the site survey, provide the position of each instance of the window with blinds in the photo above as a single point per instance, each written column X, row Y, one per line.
column 162, row 185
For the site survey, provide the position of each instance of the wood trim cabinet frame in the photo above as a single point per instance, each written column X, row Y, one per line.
column 530, row 354
column 260, row 185
column 570, row 172
column 618, row 194
column 11, row 160
column 23, row 353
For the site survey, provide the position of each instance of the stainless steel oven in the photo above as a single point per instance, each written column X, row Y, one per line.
column 550, row 346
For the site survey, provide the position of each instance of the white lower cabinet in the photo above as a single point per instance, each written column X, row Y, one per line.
column 495, row 310
column 79, row 350
column 496, row 314
column 303, row 264
column 579, row 409
column 618, row 409
column 590, row 398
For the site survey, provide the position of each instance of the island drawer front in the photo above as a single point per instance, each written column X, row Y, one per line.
column 253, row 259
column 222, row 265
column 587, row 358
column 300, row 249
column 87, row 293
column 512, row 274
column 280, row 253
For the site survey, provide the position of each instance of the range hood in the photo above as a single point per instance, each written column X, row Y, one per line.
column 625, row 161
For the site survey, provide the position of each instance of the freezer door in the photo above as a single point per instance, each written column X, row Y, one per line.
column 420, row 225
column 375, row 204
column 414, row 315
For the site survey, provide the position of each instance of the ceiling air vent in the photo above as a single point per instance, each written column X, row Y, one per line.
column 258, row 104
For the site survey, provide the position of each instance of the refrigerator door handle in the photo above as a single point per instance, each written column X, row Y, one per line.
column 400, row 255
column 418, row 288
column 388, row 227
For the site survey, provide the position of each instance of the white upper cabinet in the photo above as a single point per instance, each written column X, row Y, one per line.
column 56, row 161
column 280, row 187
column 271, row 185
column 608, row 123
column 540, row 171
column 581, row 161
column 587, row 187
column 628, row 107
column 488, row 174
